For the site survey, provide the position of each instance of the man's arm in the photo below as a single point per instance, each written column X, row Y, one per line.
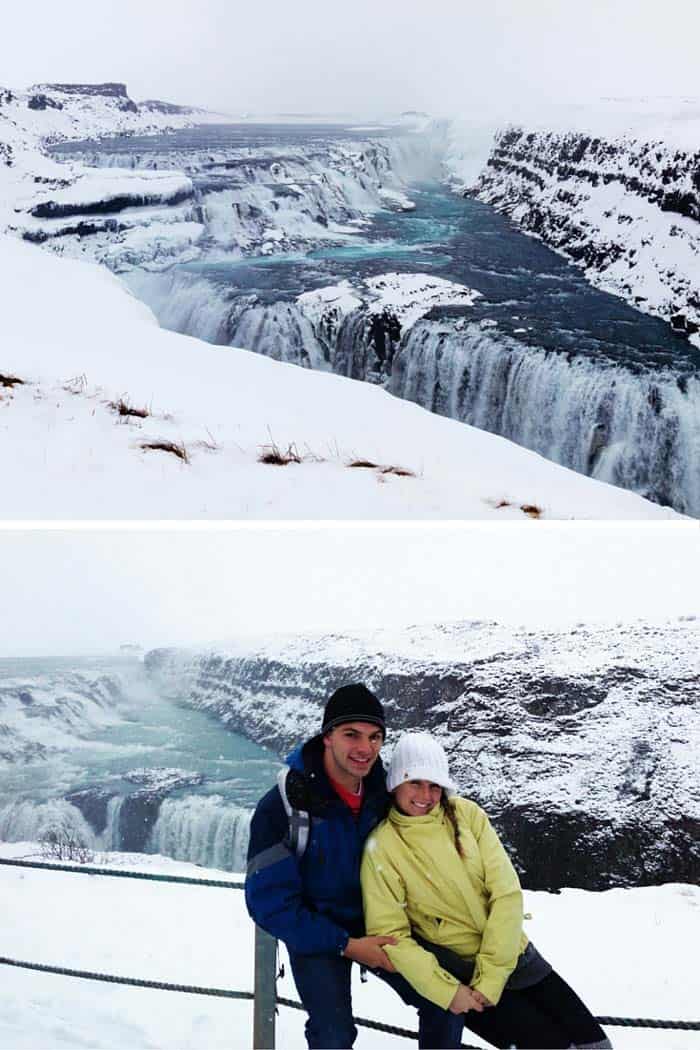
column 274, row 890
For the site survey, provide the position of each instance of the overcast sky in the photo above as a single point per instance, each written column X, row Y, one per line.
column 83, row 591
column 446, row 56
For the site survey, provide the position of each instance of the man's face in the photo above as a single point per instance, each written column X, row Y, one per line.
column 351, row 749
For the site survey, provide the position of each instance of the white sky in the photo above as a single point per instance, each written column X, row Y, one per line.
column 74, row 591
column 371, row 56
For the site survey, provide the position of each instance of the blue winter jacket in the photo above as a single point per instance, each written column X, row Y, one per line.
column 313, row 903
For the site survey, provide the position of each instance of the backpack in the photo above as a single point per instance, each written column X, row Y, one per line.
column 299, row 819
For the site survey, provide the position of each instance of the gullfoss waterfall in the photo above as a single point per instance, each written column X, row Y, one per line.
column 302, row 261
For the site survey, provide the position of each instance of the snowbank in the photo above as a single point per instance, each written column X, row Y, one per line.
column 605, row 944
column 89, row 355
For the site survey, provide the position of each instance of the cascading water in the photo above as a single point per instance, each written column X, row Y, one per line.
column 204, row 830
column 27, row 821
column 568, row 371
column 637, row 430
column 110, row 839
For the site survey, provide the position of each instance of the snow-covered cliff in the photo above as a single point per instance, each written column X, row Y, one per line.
column 581, row 744
column 622, row 202
column 43, row 200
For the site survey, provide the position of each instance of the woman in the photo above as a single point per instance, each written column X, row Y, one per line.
column 436, row 877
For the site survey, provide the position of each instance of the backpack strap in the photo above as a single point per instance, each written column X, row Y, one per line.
column 299, row 819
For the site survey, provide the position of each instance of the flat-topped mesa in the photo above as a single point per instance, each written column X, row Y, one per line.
column 43, row 96
column 111, row 90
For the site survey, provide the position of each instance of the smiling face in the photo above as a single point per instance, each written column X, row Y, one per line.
column 351, row 749
column 415, row 798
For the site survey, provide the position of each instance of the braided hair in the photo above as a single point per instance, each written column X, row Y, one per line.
column 451, row 817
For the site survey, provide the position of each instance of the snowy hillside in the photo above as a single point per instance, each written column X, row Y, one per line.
column 586, row 739
column 203, row 936
column 104, row 414
column 56, row 112
column 615, row 189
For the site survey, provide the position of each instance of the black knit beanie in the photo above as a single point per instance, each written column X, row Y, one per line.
column 353, row 703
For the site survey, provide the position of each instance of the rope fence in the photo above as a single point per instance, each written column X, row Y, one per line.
column 265, row 949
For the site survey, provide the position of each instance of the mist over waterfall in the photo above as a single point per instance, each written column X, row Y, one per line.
column 637, row 430
column 27, row 821
column 203, row 830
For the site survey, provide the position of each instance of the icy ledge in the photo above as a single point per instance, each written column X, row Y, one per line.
column 227, row 433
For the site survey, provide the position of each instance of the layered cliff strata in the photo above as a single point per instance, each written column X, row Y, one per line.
column 624, row 208
column 582, row 745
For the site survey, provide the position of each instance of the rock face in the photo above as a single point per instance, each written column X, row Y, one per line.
column 625, row 209
column 581, row 745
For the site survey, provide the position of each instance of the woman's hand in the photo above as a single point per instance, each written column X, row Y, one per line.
column 481, row 997
column 369, row 952
column 467, row 999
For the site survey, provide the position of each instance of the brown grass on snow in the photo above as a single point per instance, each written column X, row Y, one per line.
column 10, row 381
column 123, row 408
column 274, row 455
column 176, row 448
column 531, row 509
column 400, row 472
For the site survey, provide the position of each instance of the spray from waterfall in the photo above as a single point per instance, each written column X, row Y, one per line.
column 204, row 830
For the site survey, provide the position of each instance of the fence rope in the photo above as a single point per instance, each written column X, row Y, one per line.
column 379, row 1026
column 136, row 982
column 84, row 869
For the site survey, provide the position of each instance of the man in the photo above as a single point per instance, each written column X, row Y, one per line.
column 309, row 895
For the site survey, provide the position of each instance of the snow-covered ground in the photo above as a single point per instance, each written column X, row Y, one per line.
column 628, row 952
column 85, row 350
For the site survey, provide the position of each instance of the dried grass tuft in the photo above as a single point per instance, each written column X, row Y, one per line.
column 10, row 381
column 175, row 448
column 367, row 464
column 123, row 408
column 274, row 455
column 532, row 510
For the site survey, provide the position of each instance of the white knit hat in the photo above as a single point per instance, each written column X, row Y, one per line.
column 417, row 756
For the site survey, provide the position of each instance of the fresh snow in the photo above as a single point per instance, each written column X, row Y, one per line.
column 605, row 944
column 81, row 342
column 406, row 296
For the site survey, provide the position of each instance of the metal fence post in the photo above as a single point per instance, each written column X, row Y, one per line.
column 265, row 991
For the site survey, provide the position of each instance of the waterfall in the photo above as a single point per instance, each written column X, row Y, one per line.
column 636, row 429
column 110, row 839
column 185, row 302
column 28, row 821
column 205, row 830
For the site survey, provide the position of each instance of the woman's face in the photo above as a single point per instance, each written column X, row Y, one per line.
column 415, row 798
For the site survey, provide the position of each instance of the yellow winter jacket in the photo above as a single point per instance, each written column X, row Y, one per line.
column 413, row 879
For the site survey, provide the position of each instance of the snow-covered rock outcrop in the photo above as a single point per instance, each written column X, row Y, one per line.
column 582, row 744
column 128, row 215
column 624, row 205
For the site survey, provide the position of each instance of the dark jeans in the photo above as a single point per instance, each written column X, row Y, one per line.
column 323, row 983
column 547, row 1015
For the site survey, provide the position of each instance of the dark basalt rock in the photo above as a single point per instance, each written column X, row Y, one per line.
column 43, row 102
column 523, row 165
column 55, row 210
column 586, row 853
column 109, row 90
column 137, row 816
column 93, row 803
column 680, row 323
